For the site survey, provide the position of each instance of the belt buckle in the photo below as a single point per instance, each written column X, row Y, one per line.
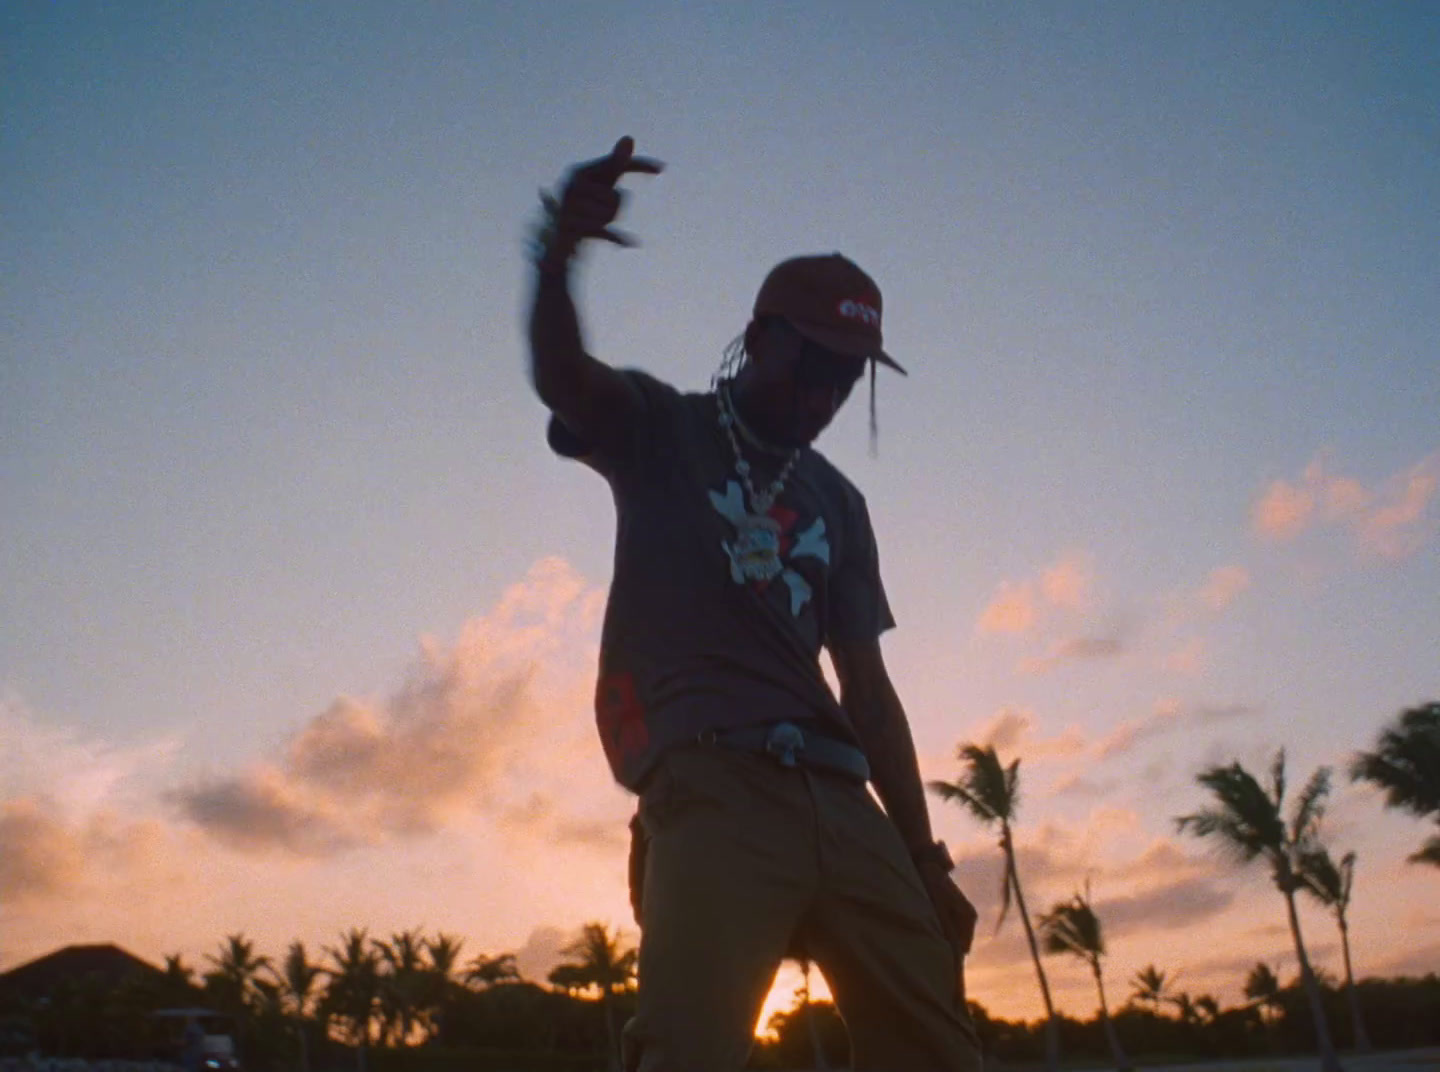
column 785, row 742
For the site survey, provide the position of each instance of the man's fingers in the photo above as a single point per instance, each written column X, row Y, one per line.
column 622, row 160
column 620, row 238
column 645, row 165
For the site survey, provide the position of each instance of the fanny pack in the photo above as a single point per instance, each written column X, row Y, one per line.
column 791, row 746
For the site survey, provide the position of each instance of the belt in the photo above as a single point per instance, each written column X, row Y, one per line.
column 791, row 746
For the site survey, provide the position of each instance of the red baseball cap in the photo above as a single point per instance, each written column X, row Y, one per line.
column 831, row 301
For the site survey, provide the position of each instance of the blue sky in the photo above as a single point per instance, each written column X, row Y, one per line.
column 1159, row 491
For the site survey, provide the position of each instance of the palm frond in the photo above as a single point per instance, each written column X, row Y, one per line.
column 1406, row 761
column 1429, row 853
column 1072, row 927
column 1310, row 807
column 1320, row 877
column 1277, row 778
column 954, row 791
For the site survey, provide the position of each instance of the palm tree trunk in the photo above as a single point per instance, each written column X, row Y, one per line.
column 1329, row 1060
column 613, row 1058
column 1362, row 1037
column 1052, row 1031
column 1122, row 1063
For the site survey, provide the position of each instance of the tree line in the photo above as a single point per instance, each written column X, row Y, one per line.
column 1248, row 819
column 412, row 1003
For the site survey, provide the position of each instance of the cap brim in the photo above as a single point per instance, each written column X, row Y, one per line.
column 846, row 343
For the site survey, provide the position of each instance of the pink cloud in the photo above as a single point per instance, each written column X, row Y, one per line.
column 1011, row 611
column 1282, row 511
column 1223, row 586
column 1398, row 525
column 1018, row 606
column 39, row 856
column 1188, row 658
column 1392, row 521
column 1167, row 716
column 1067, row 584
column 450, row 740
column 1075, row 649
column 1012, row 730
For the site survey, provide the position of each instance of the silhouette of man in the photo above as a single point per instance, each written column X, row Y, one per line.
column 741, row 553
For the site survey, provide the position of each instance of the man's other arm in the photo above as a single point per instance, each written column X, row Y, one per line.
column 594, row 402
column 874, row 707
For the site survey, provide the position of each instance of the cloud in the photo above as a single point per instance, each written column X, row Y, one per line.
column 1012, row 729
column 1282, row 511
column 1390, row 521
column 1188, row 658
column 77, row 774
column 1075, row 649
column 540, row 819
column 1168, row 715
column 1181, row 903
column 1012, row 610
column 1161, row 889
column 39, row 857
column 1223, row 586
column 1067, row 584
column 467, row 725
column 1080, row 785
column 48, row 858
column 1018, row 606
column 71, row 814
column 1398, row 525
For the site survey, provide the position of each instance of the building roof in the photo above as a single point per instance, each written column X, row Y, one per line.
column 108, row 963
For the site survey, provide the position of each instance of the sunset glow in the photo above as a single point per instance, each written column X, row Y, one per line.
column 299, row 617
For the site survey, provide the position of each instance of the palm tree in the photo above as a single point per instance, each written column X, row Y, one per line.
column 236, row 971
column 1185, row 1008
column 991, row 793
column 296, row 979
column 1406, row 764
column 403, row 985
column 1331, row 884
column 1262, row 987
column 352, row 994
column 1148, row 987
column 599, row 960
column 1208, row 1007
column 487, row 971
column 178, row 984
column 1249, row 823
column 443, row 952
column 1073, row 927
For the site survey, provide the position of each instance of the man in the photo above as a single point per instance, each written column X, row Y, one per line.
column 740, row 553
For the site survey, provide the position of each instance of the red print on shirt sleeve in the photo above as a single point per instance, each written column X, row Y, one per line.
column 620, row 718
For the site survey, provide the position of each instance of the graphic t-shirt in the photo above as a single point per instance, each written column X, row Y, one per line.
column 715, row 621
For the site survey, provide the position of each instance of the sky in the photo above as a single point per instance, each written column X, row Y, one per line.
column 299, row 617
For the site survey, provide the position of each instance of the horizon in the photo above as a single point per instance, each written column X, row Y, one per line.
column 299, row 616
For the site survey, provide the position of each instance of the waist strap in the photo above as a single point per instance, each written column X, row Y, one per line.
column 792, row 746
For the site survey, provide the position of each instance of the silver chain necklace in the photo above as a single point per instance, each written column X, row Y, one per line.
column 760, row 501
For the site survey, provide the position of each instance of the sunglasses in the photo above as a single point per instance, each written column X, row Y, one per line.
column 819, row 367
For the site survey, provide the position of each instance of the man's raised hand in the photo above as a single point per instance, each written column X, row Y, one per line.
column 589, row 201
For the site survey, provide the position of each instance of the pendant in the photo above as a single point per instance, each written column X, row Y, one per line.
column 755, row 554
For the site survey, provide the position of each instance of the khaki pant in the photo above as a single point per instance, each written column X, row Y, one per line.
column 743, row 855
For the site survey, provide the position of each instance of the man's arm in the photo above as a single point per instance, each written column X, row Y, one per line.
column 594, row 401
column 874, row 707
column 875, row 711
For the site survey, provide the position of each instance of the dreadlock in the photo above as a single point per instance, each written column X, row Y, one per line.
column 732, row 360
